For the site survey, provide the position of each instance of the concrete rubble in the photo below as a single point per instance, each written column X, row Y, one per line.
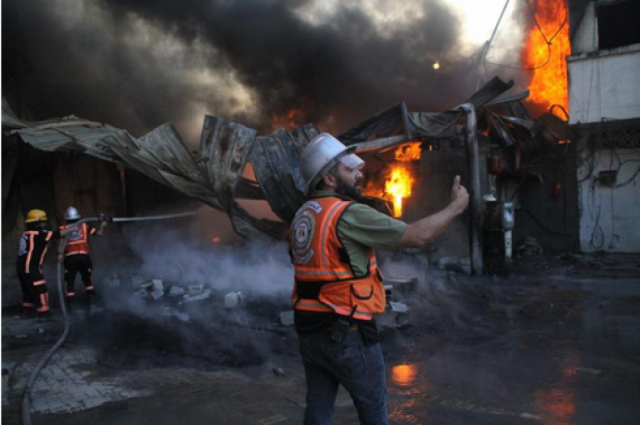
column 205, row 295
column 177, row 291
column 397, row 307
column 233, row 299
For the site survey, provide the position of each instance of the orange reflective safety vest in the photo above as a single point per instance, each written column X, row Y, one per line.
column 324, row 280
column 78, row 240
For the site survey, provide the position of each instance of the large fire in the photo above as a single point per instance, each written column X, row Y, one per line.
column 546, row 54
column 399, row 181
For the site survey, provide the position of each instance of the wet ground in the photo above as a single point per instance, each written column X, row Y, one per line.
column 556, row 343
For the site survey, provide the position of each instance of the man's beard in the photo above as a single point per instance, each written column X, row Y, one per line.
column 352, row 192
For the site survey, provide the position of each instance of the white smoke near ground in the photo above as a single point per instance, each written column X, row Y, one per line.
column 187, row 254
column 182, row 253
column 192, row 327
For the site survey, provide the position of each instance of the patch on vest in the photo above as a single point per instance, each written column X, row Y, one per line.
column 76, row 235
column 315, row 206
column 303, row 229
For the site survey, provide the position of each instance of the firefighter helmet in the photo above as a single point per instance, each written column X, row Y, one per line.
column 71, row 214
column 35, row 215
column 321, row 154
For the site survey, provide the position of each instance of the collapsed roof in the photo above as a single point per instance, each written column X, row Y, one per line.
column 214, row 174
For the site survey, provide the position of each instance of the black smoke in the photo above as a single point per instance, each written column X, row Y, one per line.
column 135, row 64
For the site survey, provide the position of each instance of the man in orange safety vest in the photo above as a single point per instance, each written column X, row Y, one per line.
column 338, row 288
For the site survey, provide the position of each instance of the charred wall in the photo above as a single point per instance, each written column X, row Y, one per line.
column 547, row 202
column 435, row 172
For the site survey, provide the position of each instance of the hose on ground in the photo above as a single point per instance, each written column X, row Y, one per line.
column 26, row 396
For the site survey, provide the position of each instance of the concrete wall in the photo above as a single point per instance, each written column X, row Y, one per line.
column 603, row 85
column 609, row 215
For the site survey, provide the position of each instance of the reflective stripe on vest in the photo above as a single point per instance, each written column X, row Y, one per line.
column 78, row 242
column 315, row 250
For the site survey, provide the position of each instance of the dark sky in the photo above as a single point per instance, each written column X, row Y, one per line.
column 136, row 64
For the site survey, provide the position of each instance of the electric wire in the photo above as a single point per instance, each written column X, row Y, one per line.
column 548, row 42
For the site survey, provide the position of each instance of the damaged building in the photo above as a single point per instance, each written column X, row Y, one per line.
column 605, row 123
column 514, row 315
column 503, row 155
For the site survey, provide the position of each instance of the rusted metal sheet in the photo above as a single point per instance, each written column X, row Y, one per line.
column 389, row 122
column 275, row 162
column 224, row 151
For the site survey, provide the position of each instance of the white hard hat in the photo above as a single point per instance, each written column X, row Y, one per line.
column 321, row 154
column 71, row 214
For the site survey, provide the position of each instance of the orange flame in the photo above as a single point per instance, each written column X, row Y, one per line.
column 546, row 51
column 399, row 180
column 216, row 239
column 289, row 121
column 398, row 187
column 408, row 152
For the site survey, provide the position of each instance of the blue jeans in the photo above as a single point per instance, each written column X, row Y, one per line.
column 358, row 367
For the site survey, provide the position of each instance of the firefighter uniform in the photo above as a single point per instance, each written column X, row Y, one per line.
column 32, row 249
column 332, row 242
column 77, row 259
column 324, row 279
column 337, row 291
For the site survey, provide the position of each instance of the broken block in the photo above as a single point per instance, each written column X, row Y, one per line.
column 157, row 294
column 232, row 299
column 398, row 307
column 195, row 289
column 176, row 291
column 190, row 299
column 158, row 285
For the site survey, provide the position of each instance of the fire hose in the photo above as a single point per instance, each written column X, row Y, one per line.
column 26, row 397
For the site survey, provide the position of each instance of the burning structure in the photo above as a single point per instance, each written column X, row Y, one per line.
column 537, row 183
column 217, row 174
column 526, row 155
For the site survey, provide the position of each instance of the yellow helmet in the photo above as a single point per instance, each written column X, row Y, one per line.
column 36, row 215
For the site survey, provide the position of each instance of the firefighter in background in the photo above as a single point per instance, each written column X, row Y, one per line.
column 76, row 253
column 338, row 288
column 32, row 249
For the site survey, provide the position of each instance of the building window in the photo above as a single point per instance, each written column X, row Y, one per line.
column 618, row 24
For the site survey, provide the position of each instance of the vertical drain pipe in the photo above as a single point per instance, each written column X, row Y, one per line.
column 475, row 207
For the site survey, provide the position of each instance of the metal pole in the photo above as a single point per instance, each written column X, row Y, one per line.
column 475, row 200
column 487, row 46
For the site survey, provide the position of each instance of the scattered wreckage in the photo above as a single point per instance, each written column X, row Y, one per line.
column 176, row 299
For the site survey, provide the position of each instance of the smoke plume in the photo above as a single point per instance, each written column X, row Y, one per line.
column 138, row 64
